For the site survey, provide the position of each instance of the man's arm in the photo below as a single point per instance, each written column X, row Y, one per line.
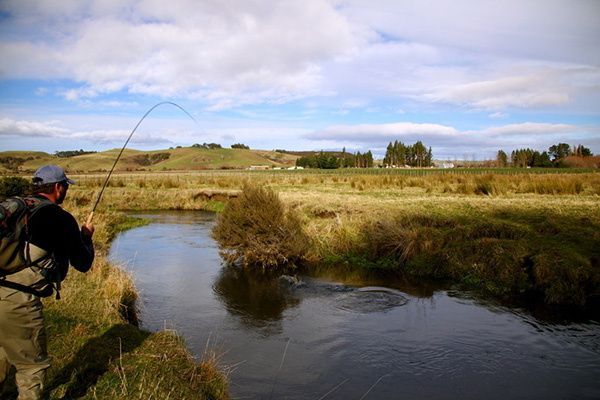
column 80, row 248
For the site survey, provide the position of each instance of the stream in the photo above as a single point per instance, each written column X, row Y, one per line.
column 300, row 337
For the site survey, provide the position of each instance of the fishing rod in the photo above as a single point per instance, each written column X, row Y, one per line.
column 91, row 216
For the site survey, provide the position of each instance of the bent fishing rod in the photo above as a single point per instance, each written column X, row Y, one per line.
column 91, row 216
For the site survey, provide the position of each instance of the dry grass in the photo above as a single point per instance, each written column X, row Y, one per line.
column 255, row 229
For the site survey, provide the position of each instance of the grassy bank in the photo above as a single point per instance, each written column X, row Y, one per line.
column 504, row 250
column 96, row 348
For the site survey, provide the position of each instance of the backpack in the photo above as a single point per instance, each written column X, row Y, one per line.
column 15, row 255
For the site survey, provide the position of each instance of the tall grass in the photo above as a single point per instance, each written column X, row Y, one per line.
column 488, row 184
column 255, row 229
column 505, row 252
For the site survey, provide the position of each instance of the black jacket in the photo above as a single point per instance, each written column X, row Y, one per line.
column 55, row 230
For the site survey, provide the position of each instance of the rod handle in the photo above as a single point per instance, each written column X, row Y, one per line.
column 89, row 218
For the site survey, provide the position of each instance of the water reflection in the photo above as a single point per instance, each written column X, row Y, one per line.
column 258, row 299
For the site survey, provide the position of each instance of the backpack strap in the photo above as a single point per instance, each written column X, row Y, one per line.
column 25, row 289
column 34, row 205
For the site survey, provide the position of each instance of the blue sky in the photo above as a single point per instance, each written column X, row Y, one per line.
column 465, row 77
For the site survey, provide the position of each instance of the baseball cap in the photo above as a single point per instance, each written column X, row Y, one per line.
column 51, row 174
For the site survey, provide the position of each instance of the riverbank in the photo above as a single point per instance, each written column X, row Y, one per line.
column 507, row 249
column 98, row 351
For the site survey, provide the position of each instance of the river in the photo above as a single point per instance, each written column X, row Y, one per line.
column 310, row 338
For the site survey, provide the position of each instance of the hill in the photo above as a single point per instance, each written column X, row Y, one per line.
column 179, row 159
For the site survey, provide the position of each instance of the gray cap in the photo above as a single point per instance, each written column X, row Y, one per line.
column 51, row 174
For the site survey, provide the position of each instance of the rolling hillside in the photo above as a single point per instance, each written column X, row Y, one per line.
column 180, row 159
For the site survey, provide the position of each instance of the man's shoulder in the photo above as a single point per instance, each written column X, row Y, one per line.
column 45, row 209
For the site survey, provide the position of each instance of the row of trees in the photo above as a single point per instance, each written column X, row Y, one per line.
column 72, row 153
column 332, row 161
column 218, row 146
column 206, row 146
column 533, row 158
column 398, row 154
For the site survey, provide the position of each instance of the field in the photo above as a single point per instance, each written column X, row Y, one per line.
column 507, row 235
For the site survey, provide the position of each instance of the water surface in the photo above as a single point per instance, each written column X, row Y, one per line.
column 309, row 338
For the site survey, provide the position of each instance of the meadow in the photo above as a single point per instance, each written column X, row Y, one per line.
column 506, row 234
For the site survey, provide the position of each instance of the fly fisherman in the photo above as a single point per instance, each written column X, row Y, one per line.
column 55, row 241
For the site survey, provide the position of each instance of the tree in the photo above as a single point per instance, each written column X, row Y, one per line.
column 399, row 154
column 541, row 159
column 211, row 146
column 501, row 159
column 240, row 146
column 559, row 151
column 522, row 158
column 582, row 151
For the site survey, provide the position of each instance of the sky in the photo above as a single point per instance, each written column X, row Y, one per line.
column 465, row 77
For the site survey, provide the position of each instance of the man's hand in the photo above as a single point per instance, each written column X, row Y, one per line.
column 87, row 229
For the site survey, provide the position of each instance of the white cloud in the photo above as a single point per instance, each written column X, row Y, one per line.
column 498, row 115
column 378, row 133
column 520, row 92
column 280, row 51
column 52, row 129
column 9, row 127
column 528, row 129
column 255, row 52
column 553, row 30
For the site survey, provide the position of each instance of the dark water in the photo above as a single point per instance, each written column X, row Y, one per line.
column 308, row 338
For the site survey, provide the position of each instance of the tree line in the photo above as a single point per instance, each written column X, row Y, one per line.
column 532, row 158
column 324, row 160
column 72, row 153
column 398, row 155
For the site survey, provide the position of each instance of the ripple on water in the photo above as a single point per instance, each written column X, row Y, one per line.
column 371, row 299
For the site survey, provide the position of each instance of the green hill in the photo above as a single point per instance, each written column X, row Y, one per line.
column 179, row 159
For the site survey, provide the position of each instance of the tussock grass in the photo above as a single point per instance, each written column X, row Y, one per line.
column 255, row 229
column 503, row 251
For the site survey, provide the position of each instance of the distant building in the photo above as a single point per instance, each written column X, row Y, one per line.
column 259, row 167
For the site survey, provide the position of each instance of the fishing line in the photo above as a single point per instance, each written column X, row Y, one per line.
column 89, row 220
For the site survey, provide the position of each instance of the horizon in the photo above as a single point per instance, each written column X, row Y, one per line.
column 318, row 75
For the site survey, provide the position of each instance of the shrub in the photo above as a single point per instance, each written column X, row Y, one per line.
column 13, row 186
column 255, row 229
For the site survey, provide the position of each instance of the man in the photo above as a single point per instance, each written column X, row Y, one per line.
column 56, row 239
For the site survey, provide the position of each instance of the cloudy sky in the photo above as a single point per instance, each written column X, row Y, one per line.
column 465, row 77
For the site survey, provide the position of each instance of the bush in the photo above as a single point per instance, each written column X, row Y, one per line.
column 255, row 229
column 13, row 186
